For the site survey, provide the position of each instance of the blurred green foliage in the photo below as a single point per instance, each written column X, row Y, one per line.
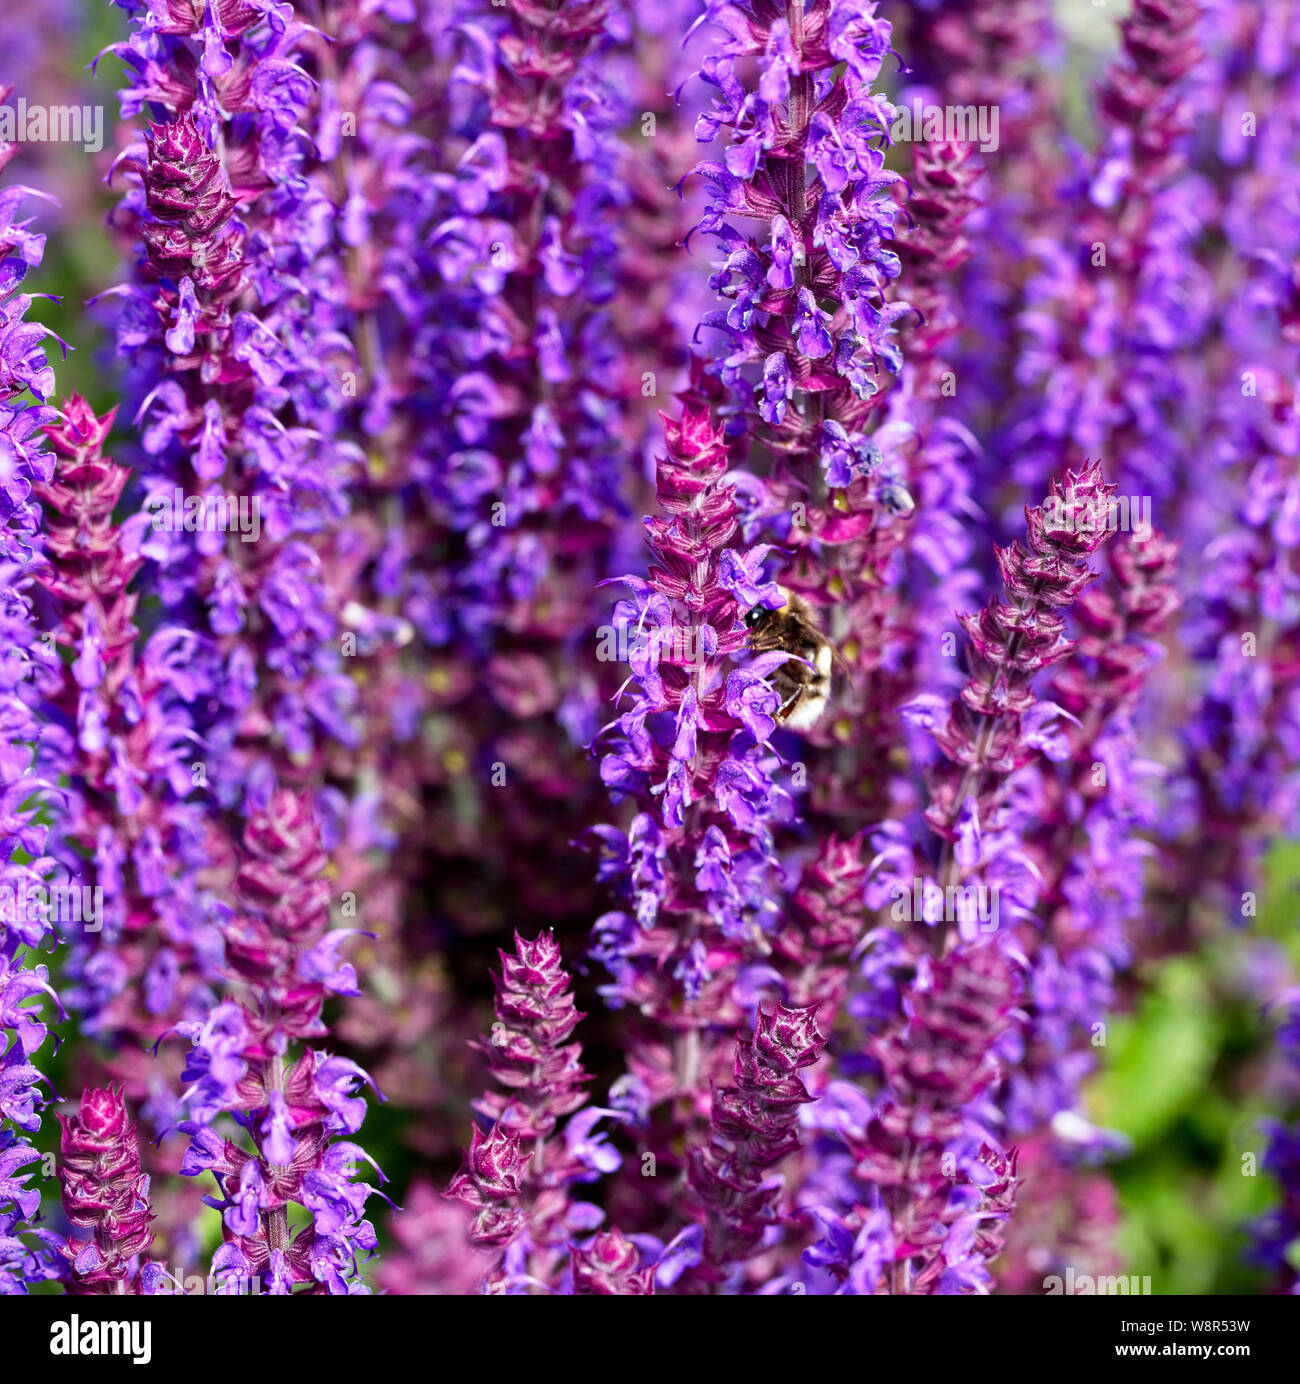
column 1181, row 1079
column 81, row 259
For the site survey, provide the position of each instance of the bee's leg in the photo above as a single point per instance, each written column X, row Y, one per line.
column 790, row 703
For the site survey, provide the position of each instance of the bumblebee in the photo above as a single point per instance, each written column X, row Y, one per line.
column 804, row 683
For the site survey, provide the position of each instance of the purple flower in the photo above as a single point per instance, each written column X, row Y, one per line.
column 239, row 1061
column 751, row 1129
column 104, row 1191
column 25, row 1257
column 504, row 1172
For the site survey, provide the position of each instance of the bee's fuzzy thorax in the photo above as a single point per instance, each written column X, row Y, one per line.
column 804, row 683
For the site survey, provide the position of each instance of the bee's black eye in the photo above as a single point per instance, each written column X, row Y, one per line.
column 754, row 616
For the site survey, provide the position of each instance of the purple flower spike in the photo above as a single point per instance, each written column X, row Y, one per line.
column 26, row 1256
column 516, row 1177
column 105, row 1192
column 753, row 1127
column 610, row 1267
column 239, row 1061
